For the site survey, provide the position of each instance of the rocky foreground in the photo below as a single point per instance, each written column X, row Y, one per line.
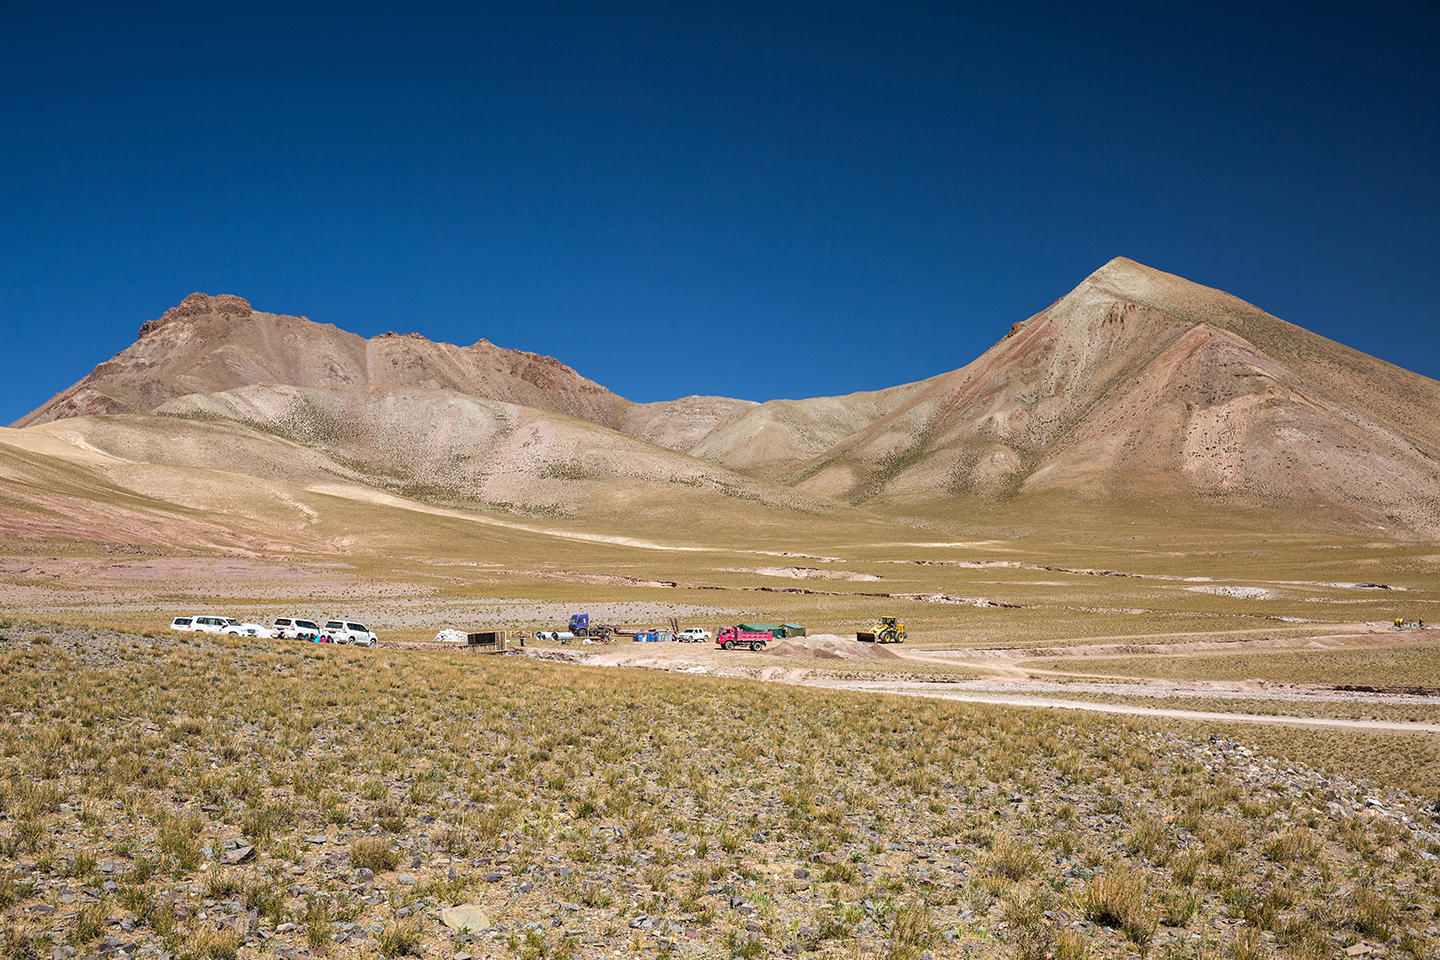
column 177, row 796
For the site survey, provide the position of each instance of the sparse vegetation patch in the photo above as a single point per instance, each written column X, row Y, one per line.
column 229, row 798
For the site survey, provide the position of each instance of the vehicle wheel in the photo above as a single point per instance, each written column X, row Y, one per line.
column 755, row 647
column 725, row 645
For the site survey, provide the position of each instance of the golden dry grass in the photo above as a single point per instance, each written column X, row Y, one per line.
column 1411, row 662
column 649, row 810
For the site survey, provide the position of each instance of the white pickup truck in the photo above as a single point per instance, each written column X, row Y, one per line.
column 694, row 635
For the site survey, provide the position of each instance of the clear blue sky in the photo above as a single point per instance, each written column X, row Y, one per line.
column 755, row 200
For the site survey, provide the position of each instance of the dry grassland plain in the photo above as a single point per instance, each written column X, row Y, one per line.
column 167, row 794
column 215, row 797
column 1413, row 664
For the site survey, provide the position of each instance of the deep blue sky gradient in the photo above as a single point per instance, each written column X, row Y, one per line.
column 755, row 200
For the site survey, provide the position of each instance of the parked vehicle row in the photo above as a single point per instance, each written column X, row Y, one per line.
column 742, row 636
column 285, row 628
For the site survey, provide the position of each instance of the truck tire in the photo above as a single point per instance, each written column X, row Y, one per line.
column 725, row 645
column 755, row 646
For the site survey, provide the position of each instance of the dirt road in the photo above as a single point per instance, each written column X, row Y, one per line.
column 941, row 691
column 1004, row 682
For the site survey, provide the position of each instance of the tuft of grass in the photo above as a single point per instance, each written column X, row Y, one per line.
column 89, row 923
column 1013, row 860
column 223, row 884
column 402, row 939
column 1178, row 907
column 180, row 840
column 1030, row 932
column 1248, row 945
column 208, row 944
column 267, row 897
column 12, row 889
column 19, row 943
column 1120, row 898
column 1292, row 845
column 1371, row 913
column 374, row 853
column 316, row 921
column 911, row 932
column 1072, row 944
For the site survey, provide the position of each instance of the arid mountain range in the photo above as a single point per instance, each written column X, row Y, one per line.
column 1137, row 391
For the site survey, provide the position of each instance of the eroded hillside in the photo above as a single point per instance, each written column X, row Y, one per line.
column 1137, row 391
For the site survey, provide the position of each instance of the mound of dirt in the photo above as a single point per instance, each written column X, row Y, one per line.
column 810, row 573
column 828, row 646
column 1241, row 593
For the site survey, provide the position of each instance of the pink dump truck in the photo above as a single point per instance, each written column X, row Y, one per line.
column 730, row 637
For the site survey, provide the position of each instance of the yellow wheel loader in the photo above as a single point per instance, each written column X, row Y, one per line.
column 885, row 630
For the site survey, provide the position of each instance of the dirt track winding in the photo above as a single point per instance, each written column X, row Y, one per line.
column 1006, row 678
column 947, row 692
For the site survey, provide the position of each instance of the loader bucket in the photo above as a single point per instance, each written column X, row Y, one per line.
column 865, row 636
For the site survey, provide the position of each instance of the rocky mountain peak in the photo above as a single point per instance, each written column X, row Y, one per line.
column 198, row 306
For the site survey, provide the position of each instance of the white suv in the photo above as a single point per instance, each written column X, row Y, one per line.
column 694, row 635
column 209, row 624
column 228, row 625
column 293, row 628
column 348, row 631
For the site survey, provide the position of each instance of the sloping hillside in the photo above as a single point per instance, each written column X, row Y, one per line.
column 210, row 344
column 445, row 446
column 1139, row 386
column 1138, row 390
column 192, row 479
